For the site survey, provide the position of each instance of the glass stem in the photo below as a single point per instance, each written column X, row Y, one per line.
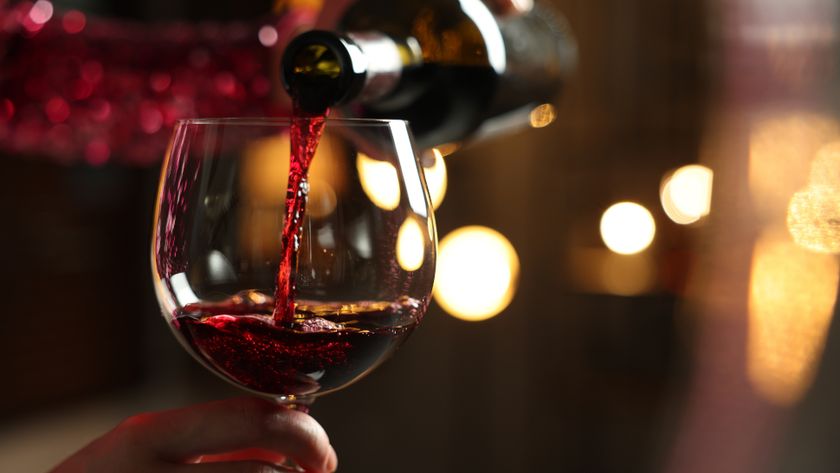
column 301, row 404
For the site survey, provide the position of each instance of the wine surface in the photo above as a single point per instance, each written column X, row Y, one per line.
column 324, row 347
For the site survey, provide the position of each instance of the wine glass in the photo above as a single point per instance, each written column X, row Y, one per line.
column 365, row 251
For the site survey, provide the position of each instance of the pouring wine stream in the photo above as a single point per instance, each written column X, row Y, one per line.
column 306, row 129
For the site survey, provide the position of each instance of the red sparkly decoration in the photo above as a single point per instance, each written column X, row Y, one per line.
column 81, row 89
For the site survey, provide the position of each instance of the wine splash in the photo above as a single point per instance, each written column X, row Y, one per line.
column 306, row 129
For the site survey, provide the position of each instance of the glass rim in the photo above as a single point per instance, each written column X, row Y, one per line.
column 267, row 121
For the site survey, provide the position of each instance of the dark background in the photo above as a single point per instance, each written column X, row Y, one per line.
column 565, row 379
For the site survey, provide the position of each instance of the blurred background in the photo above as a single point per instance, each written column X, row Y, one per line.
column 663, row 249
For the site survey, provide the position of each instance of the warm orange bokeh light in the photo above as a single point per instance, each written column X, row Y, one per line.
column 791, row 300
column 477, row 273
column 380, row 181
column 814, row 219
column 411, row 246
column 436, row 177
column 686, row 194
column 627, row 228
column 542, row 115
column 262, row 182
column 781, row 151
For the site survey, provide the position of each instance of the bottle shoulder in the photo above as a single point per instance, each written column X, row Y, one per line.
column 443, row 31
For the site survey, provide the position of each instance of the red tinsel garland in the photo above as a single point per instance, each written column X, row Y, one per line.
column 75, row 88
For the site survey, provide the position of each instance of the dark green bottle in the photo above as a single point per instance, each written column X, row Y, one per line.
column 449, row 67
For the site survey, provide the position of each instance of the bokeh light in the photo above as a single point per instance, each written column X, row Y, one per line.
column 57, row 110
column 477, row 272
column 781, row 150
column 151, row 118
column 268, row 36
column 41, row 12
column 686, row 195
column 627, row 228
column 7, row 110
column 160, row 81
column 379, row 181
column 97, row 152
column 600, row 271
column 448, row 148
column 436, row 177
column 825, row 168
column 410, row 245
column 813, row 219
column 791, row 300
column 73, row 21
column 265, row 169
column 262, row 180
column 813, row 214
column 542, row 115
column 321, row 200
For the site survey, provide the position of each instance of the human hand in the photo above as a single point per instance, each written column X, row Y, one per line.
column 242, row 435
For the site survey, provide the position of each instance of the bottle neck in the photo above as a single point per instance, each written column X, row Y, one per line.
column 321, row 69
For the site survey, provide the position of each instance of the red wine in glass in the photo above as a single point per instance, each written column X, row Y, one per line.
column 328, row 347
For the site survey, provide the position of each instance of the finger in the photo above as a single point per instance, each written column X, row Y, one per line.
column 230, row 425
column 510, row 7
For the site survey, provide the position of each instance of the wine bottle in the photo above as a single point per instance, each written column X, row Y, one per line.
column 449, row 67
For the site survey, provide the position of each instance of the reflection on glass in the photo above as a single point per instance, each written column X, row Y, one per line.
column 262, row 183
column 436, row 177
column 265, row 169
column 410, row 245
column 486, row 24
column 182, row 290
column 476, row 274
column 686, row 195
column 219, row 269
column 379, row 181
column 321, row 200
column 791, row 299
column 627, row 228
column 407, row 161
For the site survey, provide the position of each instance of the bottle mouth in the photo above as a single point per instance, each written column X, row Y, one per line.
column 319, row 70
